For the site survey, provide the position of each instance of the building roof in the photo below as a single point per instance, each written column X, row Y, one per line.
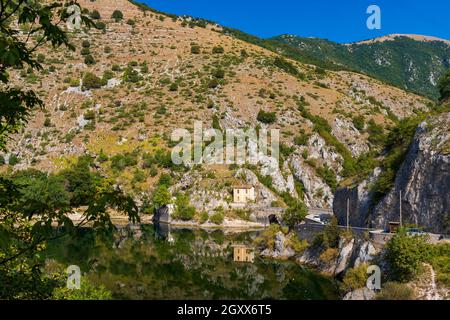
column 243, row 186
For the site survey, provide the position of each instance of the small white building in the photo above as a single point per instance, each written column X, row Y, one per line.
column 243, row 194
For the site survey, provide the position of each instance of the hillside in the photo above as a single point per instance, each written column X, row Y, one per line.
column 412, row 62
column 120, row 95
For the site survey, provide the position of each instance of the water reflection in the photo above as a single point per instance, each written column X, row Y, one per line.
column 158, row 262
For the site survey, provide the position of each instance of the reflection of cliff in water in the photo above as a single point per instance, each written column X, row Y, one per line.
column 141, row 263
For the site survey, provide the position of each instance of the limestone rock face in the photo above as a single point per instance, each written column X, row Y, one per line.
column 360, row 199
column 360, row 294
column 424, row 179
column 281, row 250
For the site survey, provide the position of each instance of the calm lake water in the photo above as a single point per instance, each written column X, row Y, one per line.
column 158, row 263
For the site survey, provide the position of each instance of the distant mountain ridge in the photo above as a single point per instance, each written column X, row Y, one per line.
column 411, row 62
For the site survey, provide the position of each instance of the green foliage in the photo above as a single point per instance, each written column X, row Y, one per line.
column 406, row 254
column 359, row 122
column 117, row 15
column 295, row 214
column 355, row 278
column 121, row 161
column 330, row 236
column 396, row 291
column 302, row 138
column 218, row 216
column 329, row 176
column 218, row 50
column 444, row 86
column 285, row 65
column 161, row 197
column 266, row 117
column 89, row 60
column 87, row 291
column 95, row 15
column 184, row 211
column 195, row 49
column 131, row 75
column 91, row 81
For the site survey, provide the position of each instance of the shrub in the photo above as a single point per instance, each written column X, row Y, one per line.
column 355, row 278
column 329, row 255
column 195, row 49
column 91, row 81
column 295, row 214
column 204, row 216
column 396, row 291
column 218, row 50
column 13, row 160
column 131, row 75
column 95, row 15
column 86, row 44
column 89, row 59
column 117, row 15
column 85, row 51
column 302, row 138
column 285, row 65
column 161, row 197
column 219, row 73
column 100, row 26
column 359, row 122
column 184, row 211
column 444, row 86
column 131, row 22
column 120, row 161
column 405, row 255
column 213, row 83
column 266, row 117
column 218, row 216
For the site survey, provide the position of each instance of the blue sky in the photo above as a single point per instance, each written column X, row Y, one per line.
column 338, row 20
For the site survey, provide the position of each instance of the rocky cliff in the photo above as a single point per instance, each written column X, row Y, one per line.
column 423, row 180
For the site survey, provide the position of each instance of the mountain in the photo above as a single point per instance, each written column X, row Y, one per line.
column 411, row 62
column 129, row 84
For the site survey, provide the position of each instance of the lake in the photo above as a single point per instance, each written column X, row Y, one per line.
column 149, row 262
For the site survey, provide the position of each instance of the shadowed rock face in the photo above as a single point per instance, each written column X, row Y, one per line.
column 424, row 179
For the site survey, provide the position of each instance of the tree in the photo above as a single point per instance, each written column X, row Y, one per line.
column 29, row 210
column 266, row 117
column 405, row 254
column 161, row 197
column 444, row 86
column 117, row 15
column 95, row 15
column 295, row 214
column 184, row 210
column 18, row 51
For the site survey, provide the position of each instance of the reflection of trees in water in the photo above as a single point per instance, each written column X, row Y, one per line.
column 147, row 266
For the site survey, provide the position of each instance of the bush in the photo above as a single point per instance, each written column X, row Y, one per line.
column 204, row 216
column 266, row 117
column 444, row 86
column 131, row 75
column 218, row 50
column 359, row 122
column 218, row 216
column 117, row 15
column 295, row 214
column 406, row 254
column 396, row 291
column 13, row 160
column 86, row 44
column 85, row 51
column 195, row 49
column 161, row 197
column 329, row 255
column 89, row 59
column 285, row 65
column 91, row 81
column 355, row 278
column 100, row 26
column 184, row 211
column 95, row 15
column 131, row 22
